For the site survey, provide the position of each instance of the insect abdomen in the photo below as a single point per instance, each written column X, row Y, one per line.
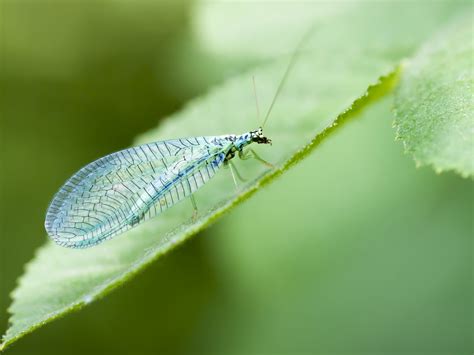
column 173, row 187
column 119, row 191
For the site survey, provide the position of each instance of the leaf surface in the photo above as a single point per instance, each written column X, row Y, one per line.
column 434, row 102
column 329, row 83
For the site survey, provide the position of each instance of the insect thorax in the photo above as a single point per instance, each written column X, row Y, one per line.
column 239, row 142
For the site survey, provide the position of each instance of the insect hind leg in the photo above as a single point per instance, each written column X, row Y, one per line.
column 195, row 208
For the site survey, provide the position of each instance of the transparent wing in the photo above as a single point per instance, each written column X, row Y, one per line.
column 120, row 190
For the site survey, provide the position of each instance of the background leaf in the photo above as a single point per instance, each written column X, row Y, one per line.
column 264, row 29
column 434, row 103
column 326, row 81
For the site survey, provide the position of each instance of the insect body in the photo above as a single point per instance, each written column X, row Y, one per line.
column 120, row 190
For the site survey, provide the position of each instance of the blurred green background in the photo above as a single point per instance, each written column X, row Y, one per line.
column 352, row 251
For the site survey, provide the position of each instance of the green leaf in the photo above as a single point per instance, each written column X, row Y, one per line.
column 325, row 88
column 363, row 242
column 434, row 103
column 262, row 29
column 60, row 280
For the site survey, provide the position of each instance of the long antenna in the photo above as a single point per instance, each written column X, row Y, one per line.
column 256, row 98
column 285, row 76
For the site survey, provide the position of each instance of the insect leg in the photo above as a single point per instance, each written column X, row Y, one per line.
column 235, row 173
column 195, row 209
column 250, row 153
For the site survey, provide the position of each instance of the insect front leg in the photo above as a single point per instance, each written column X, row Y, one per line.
column 250, row 153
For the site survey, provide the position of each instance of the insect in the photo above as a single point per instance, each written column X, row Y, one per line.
column 119, row 191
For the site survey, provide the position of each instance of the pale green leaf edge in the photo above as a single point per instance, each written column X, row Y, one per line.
column 381, row 87
column 409, row 147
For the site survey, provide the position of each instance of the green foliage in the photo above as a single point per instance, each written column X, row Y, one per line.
column 434, row 102
column 342, row 30
column 337, row 74
column 60, row 280
column 352, row 251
